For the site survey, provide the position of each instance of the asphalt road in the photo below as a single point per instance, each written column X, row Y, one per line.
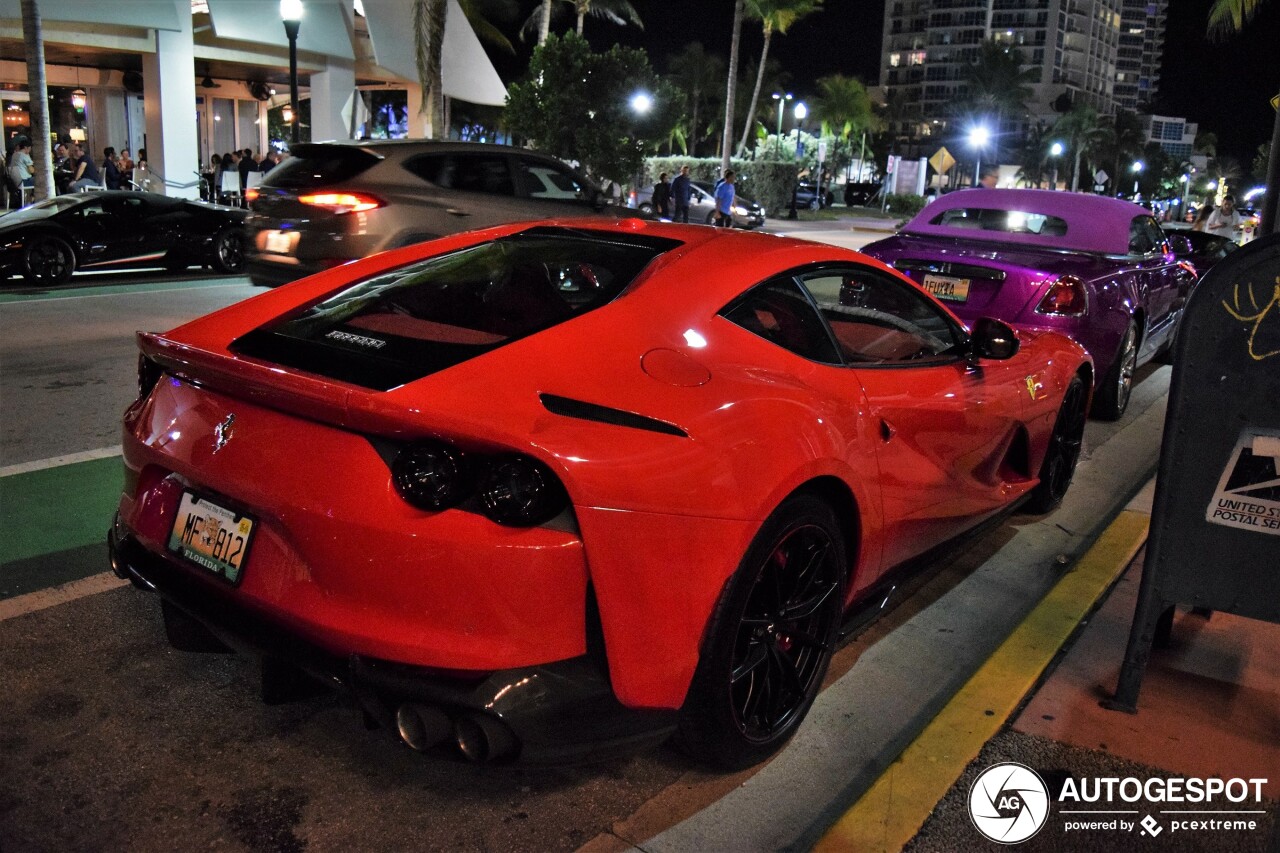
column 111, row 740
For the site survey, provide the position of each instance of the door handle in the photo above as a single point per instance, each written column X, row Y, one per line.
column 453, row 211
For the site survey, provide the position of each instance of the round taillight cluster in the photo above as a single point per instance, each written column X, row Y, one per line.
column 1066, row 297
column 513, row 489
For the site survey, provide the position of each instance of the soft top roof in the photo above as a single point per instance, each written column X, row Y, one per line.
column 1093, row 223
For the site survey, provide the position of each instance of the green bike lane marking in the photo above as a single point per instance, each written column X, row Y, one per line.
column 52, row 512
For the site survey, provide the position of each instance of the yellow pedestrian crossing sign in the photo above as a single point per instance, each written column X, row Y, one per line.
column 942, row 161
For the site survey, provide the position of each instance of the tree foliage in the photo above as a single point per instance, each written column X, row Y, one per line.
column 575, row 104
column 698, row 76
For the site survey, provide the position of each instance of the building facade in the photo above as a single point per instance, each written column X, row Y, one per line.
column 1142, row 26
column 1072, row 46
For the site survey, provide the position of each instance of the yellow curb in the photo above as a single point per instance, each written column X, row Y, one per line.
column 897, row 804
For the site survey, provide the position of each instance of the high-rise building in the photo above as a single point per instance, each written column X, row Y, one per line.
column 1142, row 25
column 1073, row 47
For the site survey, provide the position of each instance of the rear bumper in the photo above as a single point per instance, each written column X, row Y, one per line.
column 557, row 712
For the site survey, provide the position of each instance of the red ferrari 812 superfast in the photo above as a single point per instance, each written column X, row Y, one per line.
column 548, row 489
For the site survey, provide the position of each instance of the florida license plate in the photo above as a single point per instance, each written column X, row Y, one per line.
column 947, row 288
column 280, row 242
column 211, row 536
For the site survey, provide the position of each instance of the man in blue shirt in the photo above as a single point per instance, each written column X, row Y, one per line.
column 725, row 194
column 86, row 174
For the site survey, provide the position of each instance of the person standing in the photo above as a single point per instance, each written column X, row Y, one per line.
column 662, row 197
column 725, row 196
column 86, row 174
column 681, row 194
column 110, row 170
column 1225, row 221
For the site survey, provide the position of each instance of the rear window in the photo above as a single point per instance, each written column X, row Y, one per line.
column 415, row 320
column 1004, row 221
column 320, row 165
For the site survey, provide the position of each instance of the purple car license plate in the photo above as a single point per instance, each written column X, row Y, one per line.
column 947, row 288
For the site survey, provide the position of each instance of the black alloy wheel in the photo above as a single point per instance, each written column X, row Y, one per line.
column 228, row 251
column 771, row 639
column 1117, row 386
column 48, row 260
column 1063, row 453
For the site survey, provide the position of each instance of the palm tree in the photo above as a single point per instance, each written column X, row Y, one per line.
column 843, row 106
column 695, row 73
column 620, row 12
column 1225, row 18
column 739, row 8
column 428, row 32
column 774, row 16
column 1122, row 139
column 37, row 85
column 478, row 13
column 999, row 86
column 1081, row 128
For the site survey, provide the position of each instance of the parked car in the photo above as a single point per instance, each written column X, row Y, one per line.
column 1095, row 268
column 702, row 206
column 807, row 197
column 860, row 194
column 533, row 490
column 48, row 242
column 1201, row 249
column 333, row 202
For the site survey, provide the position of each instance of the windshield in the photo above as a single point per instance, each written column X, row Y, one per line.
column 417, row 319
column 40, row 210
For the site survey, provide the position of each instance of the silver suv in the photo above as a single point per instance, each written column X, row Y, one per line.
column 332, row 202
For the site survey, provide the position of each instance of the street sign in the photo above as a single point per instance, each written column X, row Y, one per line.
column 1100, row 177
column 942, row 161
column 822, row 151
column 1275, row 103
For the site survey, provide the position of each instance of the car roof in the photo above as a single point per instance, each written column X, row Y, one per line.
column 1094, row 223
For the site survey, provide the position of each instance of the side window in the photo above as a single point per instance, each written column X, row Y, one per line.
column 878, row 319
column 481, row 173
column 779, row 312
column 1145, row 236
column 543, row 180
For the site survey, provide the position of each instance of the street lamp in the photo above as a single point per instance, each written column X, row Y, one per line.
column 1055, row 151
column 641, row 102
column 979, row 136
column 291, row 14
column 1186, row 185
column 800, row 112
column 782, row 99
column 1137, row 170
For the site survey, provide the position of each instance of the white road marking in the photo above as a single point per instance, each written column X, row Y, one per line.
column 53, row 596
column 131, row 293
column 57, row 461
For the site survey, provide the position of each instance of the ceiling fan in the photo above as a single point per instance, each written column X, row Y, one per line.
column 207, row 82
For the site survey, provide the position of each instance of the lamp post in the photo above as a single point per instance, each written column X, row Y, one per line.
column 978, row 138
column 291, row 14
column 1186, row 185
column 1137, row 170
column 800, row 112
column 781, row 98
column 1055, row 151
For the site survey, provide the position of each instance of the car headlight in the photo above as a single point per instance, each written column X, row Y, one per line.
column 520, row 492
column 740, row 210
column 432, row 475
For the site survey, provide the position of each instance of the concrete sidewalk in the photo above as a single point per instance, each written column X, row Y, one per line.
column 1210, row 708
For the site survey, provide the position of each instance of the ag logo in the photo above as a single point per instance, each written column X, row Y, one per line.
column 1009, row 803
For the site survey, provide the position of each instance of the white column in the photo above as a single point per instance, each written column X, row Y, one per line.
column 332, row 100
column 170, row 107
column 419, row 126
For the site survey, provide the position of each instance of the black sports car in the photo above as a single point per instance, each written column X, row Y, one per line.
column 1205, row 249
column 49, row 241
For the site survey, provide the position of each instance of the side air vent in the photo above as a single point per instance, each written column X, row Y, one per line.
column 571, row 408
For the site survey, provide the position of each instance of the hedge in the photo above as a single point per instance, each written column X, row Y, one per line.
column 766, row 182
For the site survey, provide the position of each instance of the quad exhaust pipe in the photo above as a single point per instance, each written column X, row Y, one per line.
column 479, row 737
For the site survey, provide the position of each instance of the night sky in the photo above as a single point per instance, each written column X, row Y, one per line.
column 1226, row 87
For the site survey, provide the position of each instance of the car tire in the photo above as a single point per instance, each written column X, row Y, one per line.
column 48, row 260
column 228, row 251
column 1063, row 452
column 646, row 208
column 711, row 218
column 760, row 668
column 1117, row 386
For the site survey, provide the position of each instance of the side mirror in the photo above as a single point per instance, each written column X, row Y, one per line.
column 993, row 339
column 1180, row 246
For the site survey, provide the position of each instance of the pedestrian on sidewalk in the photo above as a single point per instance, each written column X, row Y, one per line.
column 725, row 197
column 662, row 197
column 681, row 194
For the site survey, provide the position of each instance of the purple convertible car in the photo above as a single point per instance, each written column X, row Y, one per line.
column 1095, row 268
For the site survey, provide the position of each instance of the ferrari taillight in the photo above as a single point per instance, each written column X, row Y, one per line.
column 1066, row 297
column 511, row 489
column 342, row 202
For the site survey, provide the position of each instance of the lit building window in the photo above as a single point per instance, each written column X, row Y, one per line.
column 895, row 59
column 916, row 57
